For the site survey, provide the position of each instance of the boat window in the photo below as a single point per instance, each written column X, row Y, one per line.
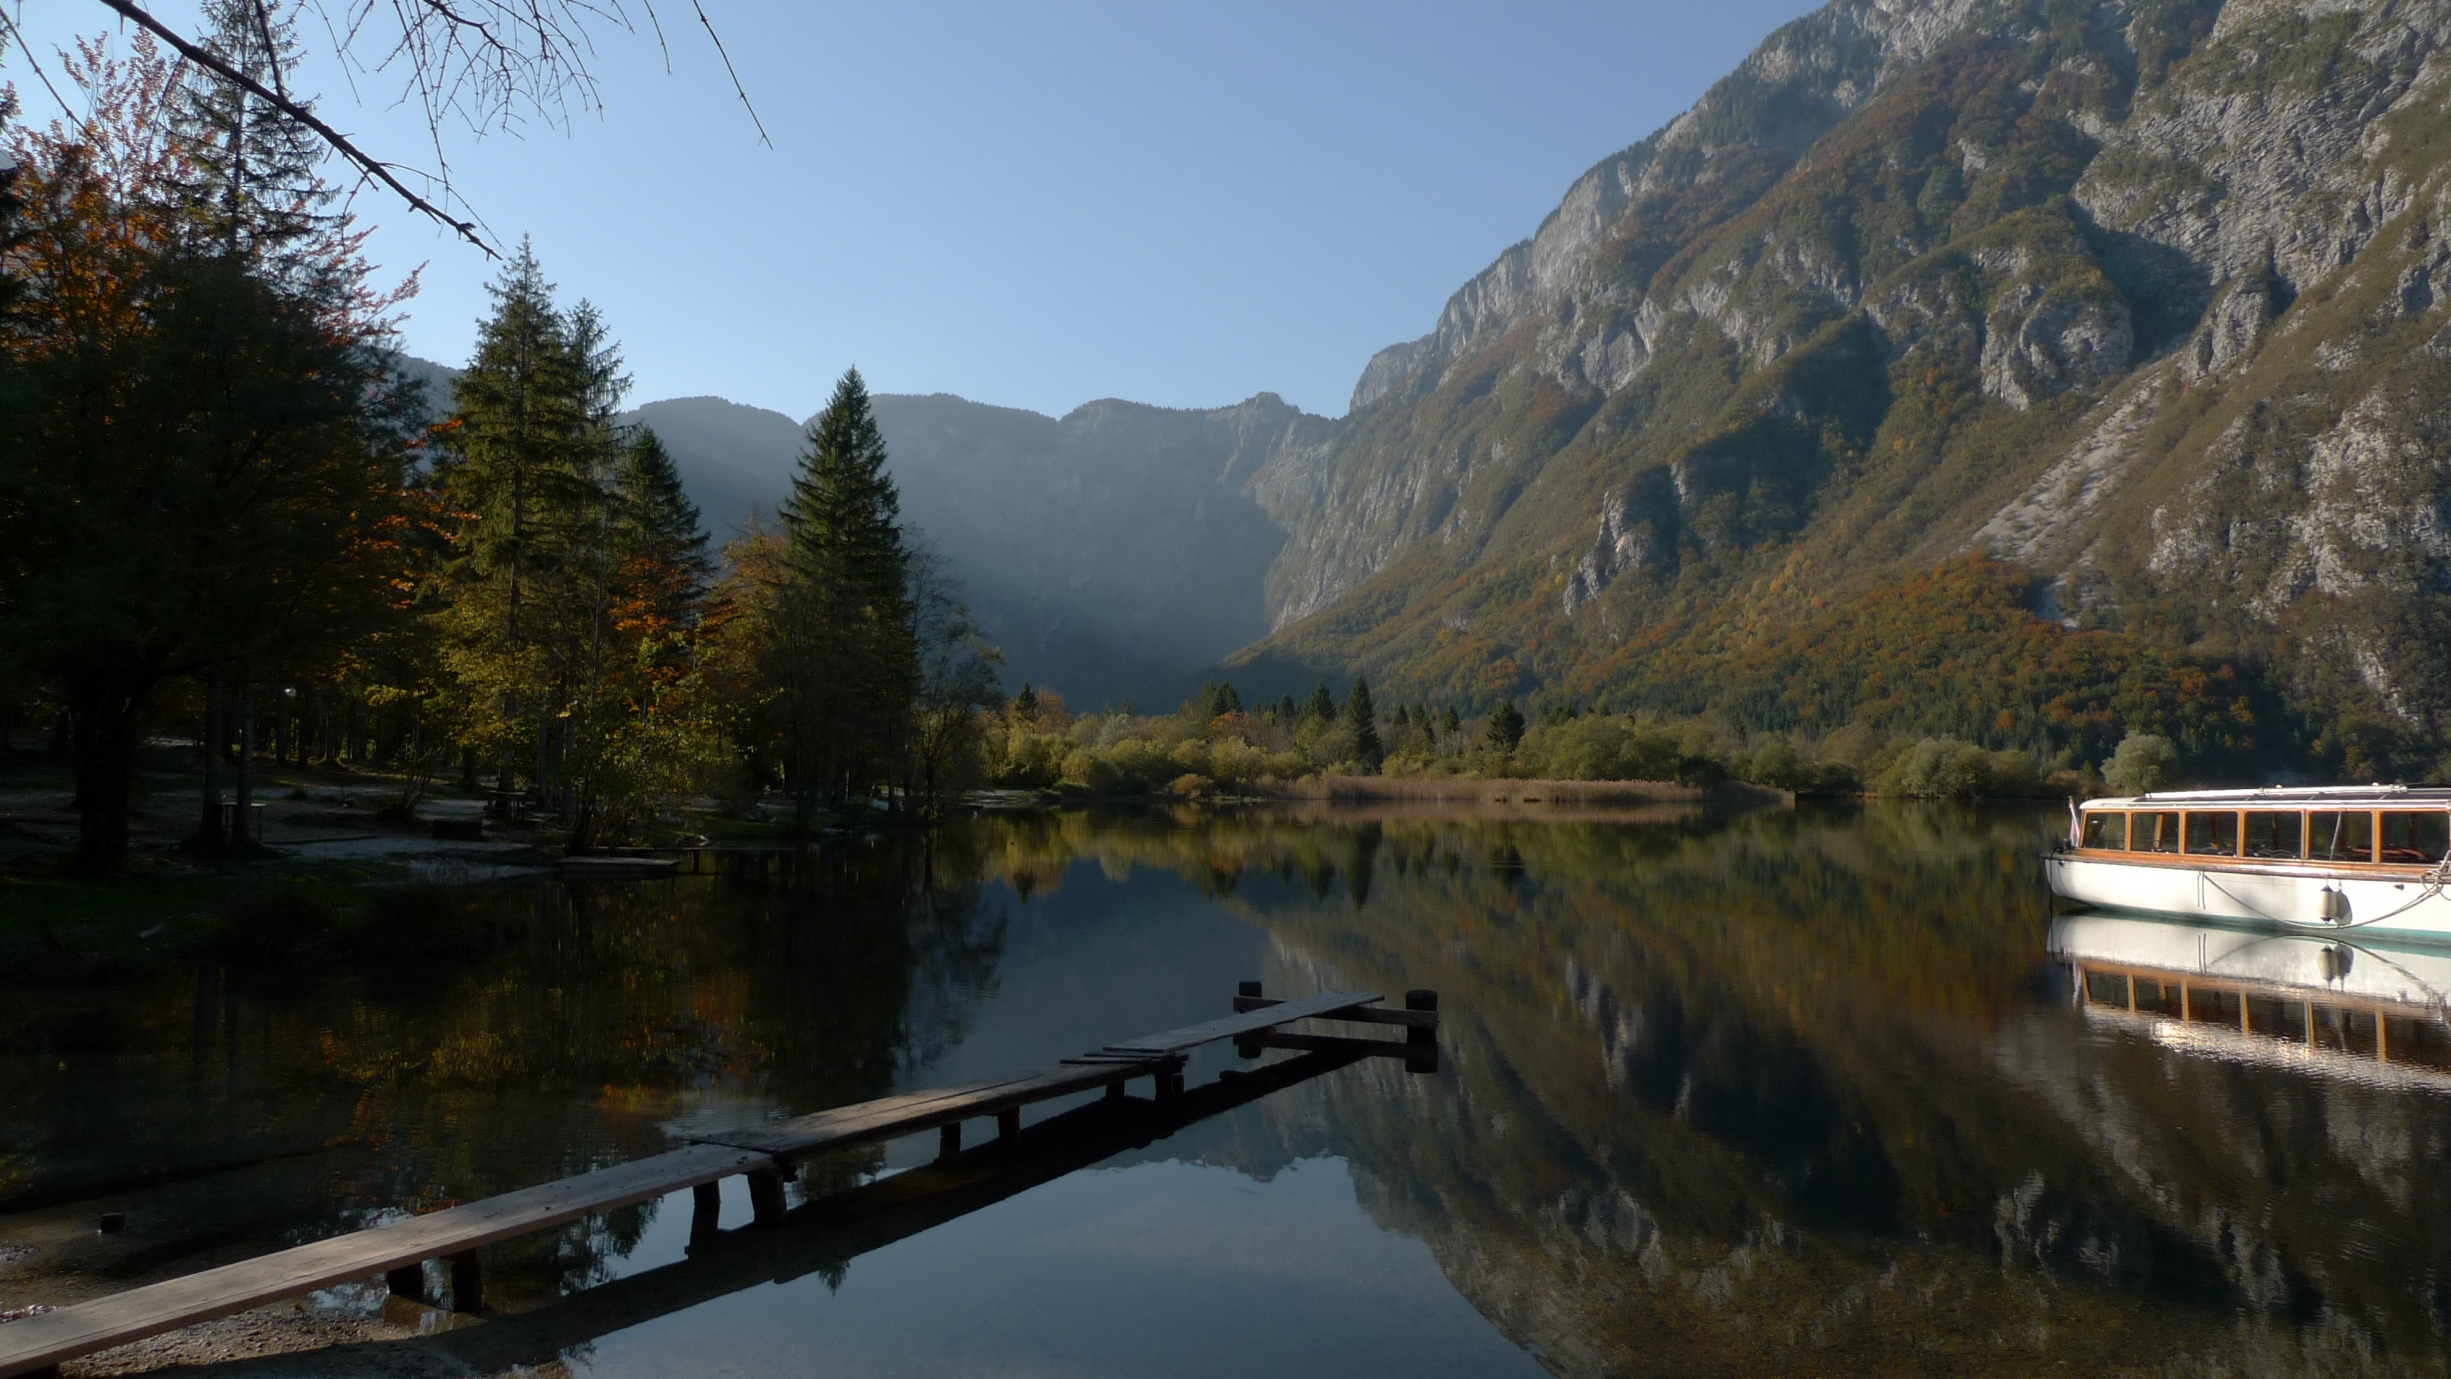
column 2415, row 837
column 2271, row 833
column 2105, row 831
column 2153, row 833
column 2213, row 835
column 2339, row 836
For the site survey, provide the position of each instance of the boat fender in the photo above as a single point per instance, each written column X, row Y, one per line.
column 2334, row 907
column 2334, row 962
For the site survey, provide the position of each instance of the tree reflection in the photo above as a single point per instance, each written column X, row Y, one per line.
column 616, row 1015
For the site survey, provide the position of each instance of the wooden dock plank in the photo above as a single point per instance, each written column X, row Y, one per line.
column 1209, row 1031
column 1360, row 1015
column 894, row 1117
column 38, row 1342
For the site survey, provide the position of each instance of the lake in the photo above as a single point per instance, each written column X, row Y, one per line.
column 1788, row 1091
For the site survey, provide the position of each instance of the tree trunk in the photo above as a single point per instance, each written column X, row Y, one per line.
column 242, row 821
column 210, row 832
column 105, row 710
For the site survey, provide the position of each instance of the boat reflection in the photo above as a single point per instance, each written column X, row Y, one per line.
column 2319, row 1003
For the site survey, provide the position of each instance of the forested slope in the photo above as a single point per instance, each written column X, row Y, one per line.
column 2020, row 371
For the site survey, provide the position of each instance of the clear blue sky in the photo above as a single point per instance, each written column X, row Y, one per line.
column 1033, row 206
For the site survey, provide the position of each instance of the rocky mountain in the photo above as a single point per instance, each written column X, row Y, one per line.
column 1113, row 553
column 2130, row 312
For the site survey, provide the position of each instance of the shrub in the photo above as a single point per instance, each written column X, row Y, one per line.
column 2144, row 762
column 1944, row 768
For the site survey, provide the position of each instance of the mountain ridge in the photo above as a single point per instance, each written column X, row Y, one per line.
column 2138, row 298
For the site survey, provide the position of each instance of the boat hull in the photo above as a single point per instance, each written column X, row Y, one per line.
column 2282, row 896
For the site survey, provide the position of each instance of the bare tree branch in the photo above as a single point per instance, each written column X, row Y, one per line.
column 737, row 88
column 339, row 142
column 490, row 63
column 31, row 61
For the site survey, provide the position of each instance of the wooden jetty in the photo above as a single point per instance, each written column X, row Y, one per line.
column 399, row 1249
column 829, row 1232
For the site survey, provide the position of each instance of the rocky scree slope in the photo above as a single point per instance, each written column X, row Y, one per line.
column 2047, row 368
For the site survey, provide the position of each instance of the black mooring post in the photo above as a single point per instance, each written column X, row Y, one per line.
column 1421, row 1000
column 766, row 1196
column 1008, row 1130
column 705, row 1212
column 407, row 1281
column 1247, row 1045
column 467, row 1283
column 948, row 1142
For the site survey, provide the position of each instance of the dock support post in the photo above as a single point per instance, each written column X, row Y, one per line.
column 1169, row 1083
column 948, row 1142
column 1421, row 999
column 766, row 1196
column 1008, row 1131
column 408, row 1281
column 1114, row 1090
column 705, row 1212
column 467, row 1283
column 1247, row 1045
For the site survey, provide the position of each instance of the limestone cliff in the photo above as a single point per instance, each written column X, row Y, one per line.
column 2148, row 298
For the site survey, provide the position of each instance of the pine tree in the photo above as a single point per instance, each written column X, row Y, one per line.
column 846, row 662
column 1450, row 722
column 251, row 187
column 1360, row 717
column 1321, row 705
column 520, row 467
column 1025, row 704
column 1505, row 726
column 1285, row 710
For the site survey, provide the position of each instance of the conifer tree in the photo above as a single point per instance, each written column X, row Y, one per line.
column 670, row 532
column 517, row 467
column 1285, row 710
column 1362, row 719
column 1321, row 705
column 1505, row 729
column 249, row 184
column 844, row 657
column 1450, row 722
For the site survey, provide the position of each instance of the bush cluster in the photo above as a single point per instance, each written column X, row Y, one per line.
column 1214, row 745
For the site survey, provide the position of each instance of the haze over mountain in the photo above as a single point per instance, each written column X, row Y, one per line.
column 1112, row 554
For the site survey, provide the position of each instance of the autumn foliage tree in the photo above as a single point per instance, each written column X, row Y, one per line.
column 204, row 458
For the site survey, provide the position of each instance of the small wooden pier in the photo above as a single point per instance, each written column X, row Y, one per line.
column 399, row 1250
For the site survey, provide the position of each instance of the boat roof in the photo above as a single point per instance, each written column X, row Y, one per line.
column 2380, row 796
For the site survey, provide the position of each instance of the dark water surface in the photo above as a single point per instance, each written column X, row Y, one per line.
column 1788, row 1092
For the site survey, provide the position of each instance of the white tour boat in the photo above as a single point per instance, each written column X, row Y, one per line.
column 2368, row 858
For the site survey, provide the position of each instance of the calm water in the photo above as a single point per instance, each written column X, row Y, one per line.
column 1779, row 1093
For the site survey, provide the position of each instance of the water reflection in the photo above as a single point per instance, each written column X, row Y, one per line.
column 1804, row 1089
column 1795, row 1090
column 249, row 1109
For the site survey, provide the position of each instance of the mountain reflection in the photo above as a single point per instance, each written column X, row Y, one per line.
column 1804, row 1090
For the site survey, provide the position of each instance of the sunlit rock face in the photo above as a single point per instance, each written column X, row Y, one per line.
column 2156, row 300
